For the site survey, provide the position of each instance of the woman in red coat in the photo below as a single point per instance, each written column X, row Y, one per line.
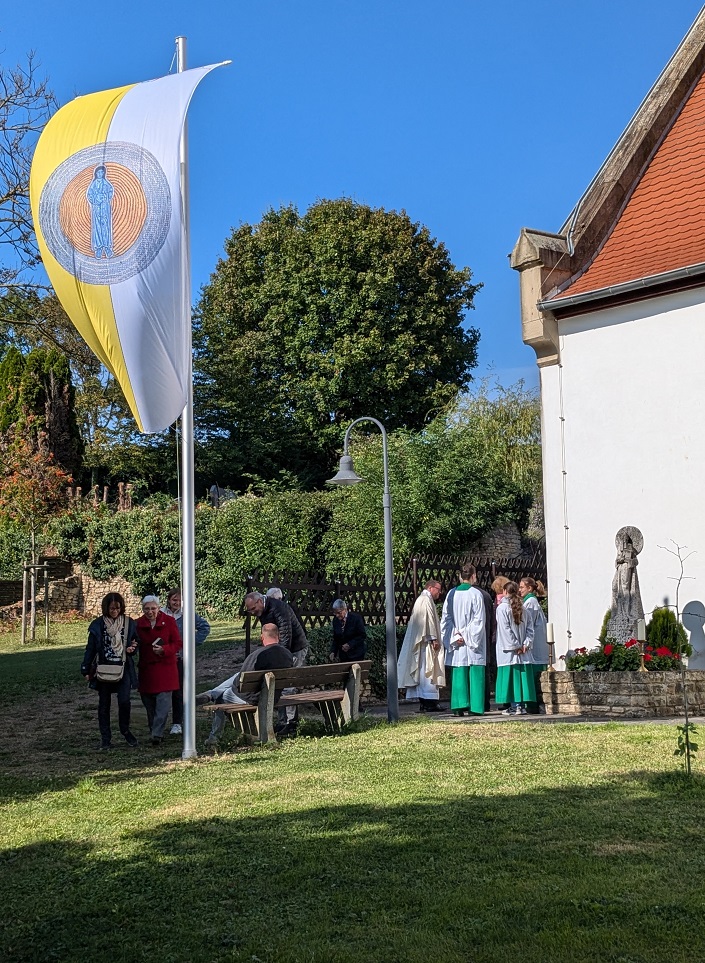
column 159, row 642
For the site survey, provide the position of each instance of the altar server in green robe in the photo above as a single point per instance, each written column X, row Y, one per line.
column 515, row 670
column 463, row 633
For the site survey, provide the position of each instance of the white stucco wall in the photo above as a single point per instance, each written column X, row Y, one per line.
column 631, row 387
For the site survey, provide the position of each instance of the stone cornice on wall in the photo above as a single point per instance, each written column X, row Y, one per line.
column 543, row 262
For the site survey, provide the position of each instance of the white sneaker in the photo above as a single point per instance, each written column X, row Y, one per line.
column 175, row 730
column 521, row 710
column 508, row 712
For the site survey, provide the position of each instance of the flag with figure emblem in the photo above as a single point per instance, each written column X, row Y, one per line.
column 109, row 216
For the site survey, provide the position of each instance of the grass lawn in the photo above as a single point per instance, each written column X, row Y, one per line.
column 426, row 842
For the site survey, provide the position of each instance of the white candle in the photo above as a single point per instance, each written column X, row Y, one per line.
column 549, row 633
column 641, row 630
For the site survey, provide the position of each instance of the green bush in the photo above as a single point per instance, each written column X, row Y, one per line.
column 665, row 631
column 14, row 549
column 602, row 637
column 277, row 532
column 321, row 641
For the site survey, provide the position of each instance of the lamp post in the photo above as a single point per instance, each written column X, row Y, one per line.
column 346, row 475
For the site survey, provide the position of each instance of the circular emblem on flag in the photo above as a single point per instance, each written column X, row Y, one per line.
column 105, row 212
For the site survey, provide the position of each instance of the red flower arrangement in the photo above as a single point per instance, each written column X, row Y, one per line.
column 608, row 649
column 631, row 643
column 664, row 651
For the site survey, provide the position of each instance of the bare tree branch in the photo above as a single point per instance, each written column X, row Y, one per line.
column 26, row 104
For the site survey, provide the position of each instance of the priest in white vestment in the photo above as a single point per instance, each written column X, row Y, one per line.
column 421, row 669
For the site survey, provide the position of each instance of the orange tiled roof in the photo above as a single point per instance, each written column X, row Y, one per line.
column 662, row 228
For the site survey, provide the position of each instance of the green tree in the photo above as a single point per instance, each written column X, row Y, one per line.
column 38, row 398
column 313, row 320
column 473, row 468
column 113, row 448
column 32, row 488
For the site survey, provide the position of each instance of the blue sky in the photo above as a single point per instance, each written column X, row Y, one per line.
column 476, row 118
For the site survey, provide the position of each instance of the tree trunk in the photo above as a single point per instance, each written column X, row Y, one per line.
column 33, row 592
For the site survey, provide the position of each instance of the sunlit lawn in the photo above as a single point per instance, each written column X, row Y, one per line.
column 428, row 841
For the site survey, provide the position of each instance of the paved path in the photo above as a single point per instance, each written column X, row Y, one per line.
column 410, row 709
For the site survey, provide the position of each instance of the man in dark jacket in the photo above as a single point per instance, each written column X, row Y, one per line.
column 291, row 636
column 291, row 632
column 349, row 634
column 269, row 655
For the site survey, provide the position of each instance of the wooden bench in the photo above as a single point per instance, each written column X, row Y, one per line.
column 339, row 701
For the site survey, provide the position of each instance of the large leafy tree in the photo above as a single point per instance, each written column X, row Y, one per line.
column 310, row 321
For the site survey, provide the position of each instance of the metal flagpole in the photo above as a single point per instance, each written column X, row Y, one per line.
column 188, row 494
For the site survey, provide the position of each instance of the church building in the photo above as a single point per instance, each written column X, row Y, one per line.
column 614, row 307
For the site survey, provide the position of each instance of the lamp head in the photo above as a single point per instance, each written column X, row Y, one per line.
column 346, row 474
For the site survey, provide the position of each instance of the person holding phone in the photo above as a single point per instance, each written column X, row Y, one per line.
column 107, row 663
column 159, row 644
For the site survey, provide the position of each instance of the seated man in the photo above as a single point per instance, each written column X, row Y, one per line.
column 269, row 655
column 349, row 634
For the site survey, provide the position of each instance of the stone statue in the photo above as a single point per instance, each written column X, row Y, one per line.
column 626, row 607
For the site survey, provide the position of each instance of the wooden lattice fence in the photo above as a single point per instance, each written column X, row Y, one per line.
column 311, row 594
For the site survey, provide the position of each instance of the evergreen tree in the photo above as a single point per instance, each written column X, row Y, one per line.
column 37, row 395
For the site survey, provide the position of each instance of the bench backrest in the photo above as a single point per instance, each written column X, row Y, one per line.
column 335, row 674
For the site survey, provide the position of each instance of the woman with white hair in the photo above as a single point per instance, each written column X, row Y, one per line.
column 159, row 643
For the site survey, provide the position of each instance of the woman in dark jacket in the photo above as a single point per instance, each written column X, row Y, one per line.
column 112, row 641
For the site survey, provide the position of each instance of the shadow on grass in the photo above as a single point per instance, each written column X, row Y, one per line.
column 39, row 670
column 571, row 875
column 55, row 666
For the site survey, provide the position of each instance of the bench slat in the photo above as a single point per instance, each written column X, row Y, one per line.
column 307, row 675
column 302, row 698
column 228, row 707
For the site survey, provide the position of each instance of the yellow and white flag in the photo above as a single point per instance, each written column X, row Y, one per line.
column 109, row 217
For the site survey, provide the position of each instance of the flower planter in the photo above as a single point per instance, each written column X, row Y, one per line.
column 622, row 695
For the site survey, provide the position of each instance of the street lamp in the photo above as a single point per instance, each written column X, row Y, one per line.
column 346, row 475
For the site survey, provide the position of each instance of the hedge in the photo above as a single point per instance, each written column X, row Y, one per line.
column 321, row 642
column 280, row 531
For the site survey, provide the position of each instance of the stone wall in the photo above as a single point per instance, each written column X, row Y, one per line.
column 499, row 543
column 622, row 695
column 93, row 590
column 83, row 593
